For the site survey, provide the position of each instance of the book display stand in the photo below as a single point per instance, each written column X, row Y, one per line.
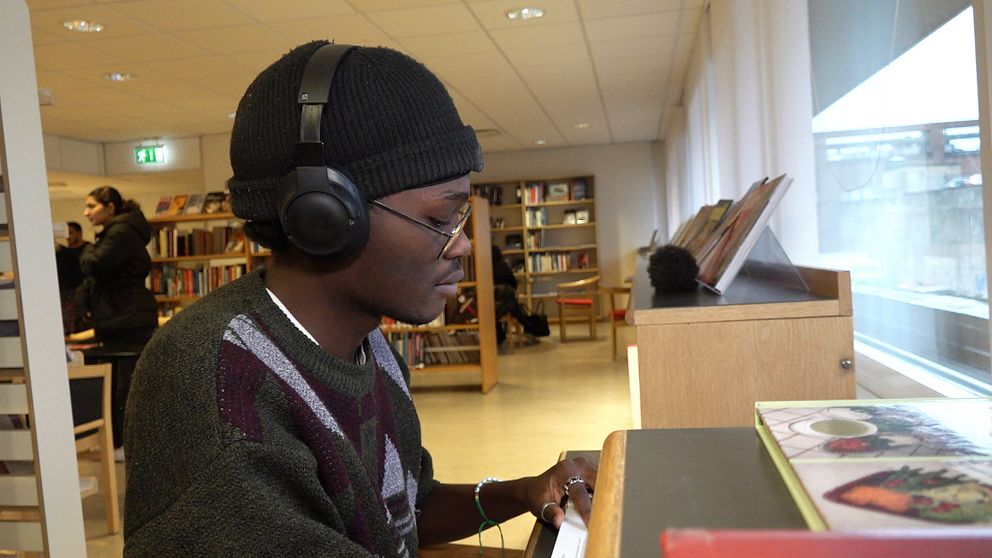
column 778, row 332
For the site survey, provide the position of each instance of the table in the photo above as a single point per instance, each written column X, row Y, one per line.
column 650, row 480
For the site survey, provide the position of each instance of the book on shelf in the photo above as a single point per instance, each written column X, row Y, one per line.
column 729, row 245
column 177, row 205
column 697, row 231
column 213, row 202
column 557, row 191
column 883, row 463
column 162, row 207
column 579, row 189
column 581, row 216
column 194, row 205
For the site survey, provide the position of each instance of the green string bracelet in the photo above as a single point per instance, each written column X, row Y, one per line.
column 486, row 522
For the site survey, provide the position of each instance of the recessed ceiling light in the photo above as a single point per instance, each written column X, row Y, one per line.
column 583, row 125
column 83, row 26
column 540, row 142
column 231, row 115
column 117, row 76
column 487, row 133
column 524, row 14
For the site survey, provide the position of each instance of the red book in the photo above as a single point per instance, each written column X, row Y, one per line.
column 770, row 543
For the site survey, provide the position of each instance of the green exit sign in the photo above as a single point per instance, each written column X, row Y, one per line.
column 152, row 155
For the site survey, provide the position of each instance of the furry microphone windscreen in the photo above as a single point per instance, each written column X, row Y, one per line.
column 672, row 269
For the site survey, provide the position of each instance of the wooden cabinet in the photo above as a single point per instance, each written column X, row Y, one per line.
column 703, row 360
column 546, row 231
column 463, row 339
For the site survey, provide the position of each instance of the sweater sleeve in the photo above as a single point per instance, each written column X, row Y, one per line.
column 252, row 501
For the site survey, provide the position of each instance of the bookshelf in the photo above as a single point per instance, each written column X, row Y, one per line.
column 194, row 254
column 463, row 338
column 546, row 230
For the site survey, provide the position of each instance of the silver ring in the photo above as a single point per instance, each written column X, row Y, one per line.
column 545, row 507
column 571, row 481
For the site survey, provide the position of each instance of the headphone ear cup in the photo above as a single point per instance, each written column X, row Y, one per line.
column 322, row 213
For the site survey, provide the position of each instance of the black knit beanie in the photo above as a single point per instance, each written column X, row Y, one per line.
column 390, row 125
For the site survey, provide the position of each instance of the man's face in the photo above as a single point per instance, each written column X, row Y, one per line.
column 74, row 236
column 402, row 276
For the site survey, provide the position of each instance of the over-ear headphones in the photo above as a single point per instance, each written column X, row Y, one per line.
column 320, row 208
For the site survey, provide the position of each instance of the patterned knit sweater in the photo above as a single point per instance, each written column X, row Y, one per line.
column 245, row 438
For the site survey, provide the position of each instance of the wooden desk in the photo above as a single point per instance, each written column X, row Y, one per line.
column 703, row 359
column 650, row 480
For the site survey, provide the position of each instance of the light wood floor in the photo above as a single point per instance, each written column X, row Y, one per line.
column 550, row 397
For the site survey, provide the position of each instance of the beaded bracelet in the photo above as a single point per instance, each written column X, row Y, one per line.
column 486, row 522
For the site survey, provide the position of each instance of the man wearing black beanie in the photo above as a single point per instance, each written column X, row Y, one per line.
column 272, row 418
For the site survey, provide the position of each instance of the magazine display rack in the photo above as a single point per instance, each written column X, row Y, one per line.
column 778, row 332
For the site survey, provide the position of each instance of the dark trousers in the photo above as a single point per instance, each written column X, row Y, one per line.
column 122, row 353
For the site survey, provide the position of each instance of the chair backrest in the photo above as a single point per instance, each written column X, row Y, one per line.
column 587, row 285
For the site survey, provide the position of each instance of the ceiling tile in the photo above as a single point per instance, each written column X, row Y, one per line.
column 660, row 47
column 94, row 75
column 65, row 55
column 236, row 38
column 92, row 96
column 562, row 54
column 114, row 24
column 384, row 5
column 647, row 25
column 197, row 68
column 60, row 80
column 597, row 9
column 300, row 9
column 157, row 46
column 428, row 20
column 425, row 48
column 166, row 90
column 183, row 14
column 348, row 29
column 40, row 37
column 50, row 4
column 492, row 13
column 538, row 38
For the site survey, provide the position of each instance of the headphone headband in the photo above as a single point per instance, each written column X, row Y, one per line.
column 315, row 91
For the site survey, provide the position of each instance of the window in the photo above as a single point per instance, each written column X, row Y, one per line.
column 899, row 190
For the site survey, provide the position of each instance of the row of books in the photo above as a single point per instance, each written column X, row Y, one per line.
column 170, row 242
column 562, row 261
column 193, row 204
column 192, row 281
column 537, row 217
column 436, row 347
column 556, row 190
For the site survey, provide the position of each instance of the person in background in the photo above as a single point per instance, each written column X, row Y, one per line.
column 70, row 276
column 113, row 295
column 272, row 417
column 505, row 293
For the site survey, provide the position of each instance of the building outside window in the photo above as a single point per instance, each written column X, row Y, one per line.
column 899, row 190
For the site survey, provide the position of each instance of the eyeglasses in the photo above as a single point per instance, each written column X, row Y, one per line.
column 462, row 214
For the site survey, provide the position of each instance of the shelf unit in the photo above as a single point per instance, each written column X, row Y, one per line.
column 194, row 254
column 444, row 346
column 40, row 499
column 546, row 230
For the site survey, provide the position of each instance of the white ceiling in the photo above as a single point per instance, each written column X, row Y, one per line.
column 613, row 65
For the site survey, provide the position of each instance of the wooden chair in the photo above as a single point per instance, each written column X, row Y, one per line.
column 618, row 313
column 514, row 332
column 93, row 431
column 578, row 298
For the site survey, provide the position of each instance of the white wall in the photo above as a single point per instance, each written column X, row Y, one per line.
column 629, row 193
column 756, row 119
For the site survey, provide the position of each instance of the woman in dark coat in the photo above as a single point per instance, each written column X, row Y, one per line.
column 122, row 310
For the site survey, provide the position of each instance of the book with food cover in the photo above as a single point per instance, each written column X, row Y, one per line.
column 177, row 205
column 913, row 463
column 194, row 204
